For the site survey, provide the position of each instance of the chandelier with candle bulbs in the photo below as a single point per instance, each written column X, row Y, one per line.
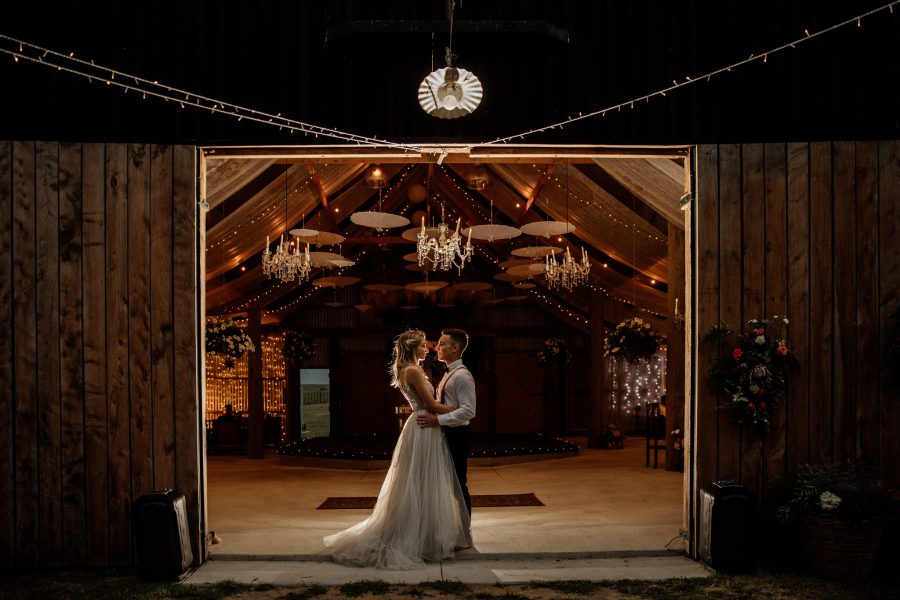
column 285, row 263
column 567, row 273
column 445, row 250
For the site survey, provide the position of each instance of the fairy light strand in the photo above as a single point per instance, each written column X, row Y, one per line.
column 676, row 85
column 69, row 63
column 146, row 87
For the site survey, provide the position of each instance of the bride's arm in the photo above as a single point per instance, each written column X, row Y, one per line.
column 415, row 377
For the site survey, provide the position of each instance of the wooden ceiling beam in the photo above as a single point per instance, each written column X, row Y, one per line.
column 536, row 192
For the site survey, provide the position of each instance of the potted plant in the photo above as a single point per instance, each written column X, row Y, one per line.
column 841, row 511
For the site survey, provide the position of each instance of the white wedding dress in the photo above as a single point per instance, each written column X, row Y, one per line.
column 420, row 513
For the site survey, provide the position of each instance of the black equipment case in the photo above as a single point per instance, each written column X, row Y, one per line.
column 726, row 527
column 161, row 534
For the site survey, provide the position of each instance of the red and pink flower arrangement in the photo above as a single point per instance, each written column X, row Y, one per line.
column 755, row 369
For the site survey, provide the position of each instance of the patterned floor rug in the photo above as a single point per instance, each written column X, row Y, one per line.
column 478, row 501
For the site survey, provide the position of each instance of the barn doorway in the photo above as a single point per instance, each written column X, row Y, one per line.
column 611, row 195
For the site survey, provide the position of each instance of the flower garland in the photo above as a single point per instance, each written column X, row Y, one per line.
column 298, row 345
column 226, row 337
column 754, row 371
column 633, row 340
column 553, row 350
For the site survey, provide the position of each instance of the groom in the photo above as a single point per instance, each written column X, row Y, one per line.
column 456, row 389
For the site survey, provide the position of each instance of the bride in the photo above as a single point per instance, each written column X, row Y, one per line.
column 420, row 513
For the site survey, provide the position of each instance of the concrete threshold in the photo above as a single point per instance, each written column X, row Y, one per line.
column 504, row 569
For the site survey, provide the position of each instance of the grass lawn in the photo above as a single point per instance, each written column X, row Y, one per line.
column 126, row 584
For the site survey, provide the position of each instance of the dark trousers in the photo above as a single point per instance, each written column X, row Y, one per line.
column 458, row 441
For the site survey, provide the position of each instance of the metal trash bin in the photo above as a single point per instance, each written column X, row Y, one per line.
column 161, row 534
column 726, row 527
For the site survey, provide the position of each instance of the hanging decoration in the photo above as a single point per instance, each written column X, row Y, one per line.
column 569, row 273
column 451, row 92
column 633, row 340
column 69, row 63
column 287, row 262
column 754, row 370
column 445, row 250
column 226, row 337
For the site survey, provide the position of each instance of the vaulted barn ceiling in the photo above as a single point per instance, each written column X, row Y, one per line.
column 620, row 201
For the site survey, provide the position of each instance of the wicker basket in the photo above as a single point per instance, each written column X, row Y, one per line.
column 835, row 550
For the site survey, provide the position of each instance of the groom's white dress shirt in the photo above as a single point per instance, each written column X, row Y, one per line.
column 457, row 389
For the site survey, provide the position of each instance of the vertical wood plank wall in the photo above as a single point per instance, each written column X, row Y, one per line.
column 807, row 230
column 98, row 359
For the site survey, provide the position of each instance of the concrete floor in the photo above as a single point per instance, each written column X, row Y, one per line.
column 606, row 517
column 600, row 503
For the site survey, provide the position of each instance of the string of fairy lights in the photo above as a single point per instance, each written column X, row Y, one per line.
column 21, row 50
column 634, row 385
column 277, row 204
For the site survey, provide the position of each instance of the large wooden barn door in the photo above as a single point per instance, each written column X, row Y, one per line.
column 810, row 231
column 99, row 352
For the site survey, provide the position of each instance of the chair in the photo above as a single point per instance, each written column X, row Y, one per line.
column 227, row 432
column 656, row 437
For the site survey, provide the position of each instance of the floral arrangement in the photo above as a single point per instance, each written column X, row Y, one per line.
column 298, row 345
column 676, row 438
column 226, row 337
column 612, row 438
column 553, row 350
column 851, row 493
column 633, row 340
column 754, row 371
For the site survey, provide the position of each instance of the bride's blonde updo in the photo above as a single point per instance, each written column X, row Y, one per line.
column 405, row 346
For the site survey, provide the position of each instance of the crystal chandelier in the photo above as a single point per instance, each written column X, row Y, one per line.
column 445, row 250
column 286, row 264
column 568, row 273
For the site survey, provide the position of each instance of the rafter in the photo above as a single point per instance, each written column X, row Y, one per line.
column 536, row 192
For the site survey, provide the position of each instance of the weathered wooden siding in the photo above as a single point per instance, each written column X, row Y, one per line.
column 807, row 230
column 98, row 305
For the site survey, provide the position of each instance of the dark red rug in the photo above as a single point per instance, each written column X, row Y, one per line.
column 478, row 501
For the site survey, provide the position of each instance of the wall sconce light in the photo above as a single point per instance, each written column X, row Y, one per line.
column 678, row 318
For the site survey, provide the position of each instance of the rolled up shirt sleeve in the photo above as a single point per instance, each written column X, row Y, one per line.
column 463, row 389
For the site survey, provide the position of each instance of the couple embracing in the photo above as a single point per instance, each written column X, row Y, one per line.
column 423, row 511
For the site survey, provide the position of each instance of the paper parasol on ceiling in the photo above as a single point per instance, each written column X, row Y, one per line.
column 335, row 304
column 527, row 270
column 515, row 262
column 320, row 238
column 335, row 281
column 517, row 298
column 410, row 234
column 426, row 286
column 535, row 251
column 450, row 93
column 324, row 259
column 417, row 267
column 491, row 232
column 524, row 285
column 343, row 262
column 547, row 228
column 304, row 233
column 382, row 287
column 363, row 308
column 411, row 257
column 509, row 277
column 472, row 286
column 378, row 220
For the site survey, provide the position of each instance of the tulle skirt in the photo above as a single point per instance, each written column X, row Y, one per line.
column 420, row 513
